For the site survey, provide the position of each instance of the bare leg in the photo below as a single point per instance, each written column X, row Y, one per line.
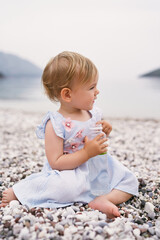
column 8, row 196
column 107, row 203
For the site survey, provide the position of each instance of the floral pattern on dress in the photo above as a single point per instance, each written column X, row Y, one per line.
column 79, row 134
column 73, row 147
column 68, row 124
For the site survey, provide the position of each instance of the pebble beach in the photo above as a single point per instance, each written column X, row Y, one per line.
column 134, row 142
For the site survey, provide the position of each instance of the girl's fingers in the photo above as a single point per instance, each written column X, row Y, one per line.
column 107, row 133
column 103, row 140
column 104, row 150
column 107, row 129
column 104, row 145
column 99, row 136
column 99, row 122
column 86, row 139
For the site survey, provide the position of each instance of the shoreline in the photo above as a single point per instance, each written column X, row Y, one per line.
column 43, row 104
column 43, row 112
column 134, row 142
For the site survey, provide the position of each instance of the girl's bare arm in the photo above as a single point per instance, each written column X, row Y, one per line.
column 60, row 161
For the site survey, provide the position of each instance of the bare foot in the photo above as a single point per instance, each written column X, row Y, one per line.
column 104, row 205
column 8, row 196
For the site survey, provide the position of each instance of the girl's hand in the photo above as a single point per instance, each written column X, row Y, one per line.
column 95, row 146
column 106, row 127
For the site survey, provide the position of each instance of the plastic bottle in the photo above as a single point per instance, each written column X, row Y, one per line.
column 94, row 131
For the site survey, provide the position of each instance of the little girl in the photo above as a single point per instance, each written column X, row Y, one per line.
column 78, row 167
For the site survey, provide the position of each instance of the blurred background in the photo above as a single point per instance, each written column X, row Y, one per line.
column 121, row 37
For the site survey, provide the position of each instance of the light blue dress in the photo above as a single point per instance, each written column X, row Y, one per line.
column 99, row 175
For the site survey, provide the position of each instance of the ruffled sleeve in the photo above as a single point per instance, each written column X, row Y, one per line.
column 56, row 123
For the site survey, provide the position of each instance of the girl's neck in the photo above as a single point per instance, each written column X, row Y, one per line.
column 74, row 114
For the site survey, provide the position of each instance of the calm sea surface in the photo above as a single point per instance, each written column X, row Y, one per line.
column 127, row 97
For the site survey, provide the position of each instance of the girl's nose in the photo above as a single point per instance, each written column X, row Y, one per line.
column 96, row 92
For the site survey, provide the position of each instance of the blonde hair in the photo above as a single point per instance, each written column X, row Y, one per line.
column 61, row 70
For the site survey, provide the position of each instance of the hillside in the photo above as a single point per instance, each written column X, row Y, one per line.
column 155, row 73
column 12, row 65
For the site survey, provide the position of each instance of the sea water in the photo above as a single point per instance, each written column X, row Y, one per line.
column 119, row 97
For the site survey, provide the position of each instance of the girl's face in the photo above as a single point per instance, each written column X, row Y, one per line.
column 83, row 96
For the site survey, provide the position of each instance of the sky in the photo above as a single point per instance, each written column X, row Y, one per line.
column 121, row 37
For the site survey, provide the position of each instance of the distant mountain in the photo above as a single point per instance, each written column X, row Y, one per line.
column 155, row 73
column 12, row 65
column 1, row 75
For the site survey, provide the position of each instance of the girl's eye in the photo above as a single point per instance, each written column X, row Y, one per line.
column 92, row 88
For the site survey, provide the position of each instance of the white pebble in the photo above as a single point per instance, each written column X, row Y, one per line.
column 98, row 229
column 92, row 235
column 77, row 236
column 24, row 234
column 42, row 234
column 70, row 216
column 59, row 227
column 115, row 223
column 151, row 230
column 67, row 234
column 17, row 228
column 73, row 229
column 99, row 237
column 79, row 228
column 136, row 233
column 108, row 230
column 68, row 211
column 14, row 204
column 93, row 215
column 41, row 220
column 157, row 230
column 149, row 208
column 157, row 223
column 7, row 218
column 102, row 216
column 16, row 211
column 76, row 209
column 94, row 223
column 81, row 217
column 128, row 227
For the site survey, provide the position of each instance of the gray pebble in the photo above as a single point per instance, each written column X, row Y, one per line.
column 98, row 229
column 50, row 217
column 102, row 223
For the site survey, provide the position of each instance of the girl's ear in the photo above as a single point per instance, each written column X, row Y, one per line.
column 66, row 94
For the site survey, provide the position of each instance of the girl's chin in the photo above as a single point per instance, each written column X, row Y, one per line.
column 90, row 108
